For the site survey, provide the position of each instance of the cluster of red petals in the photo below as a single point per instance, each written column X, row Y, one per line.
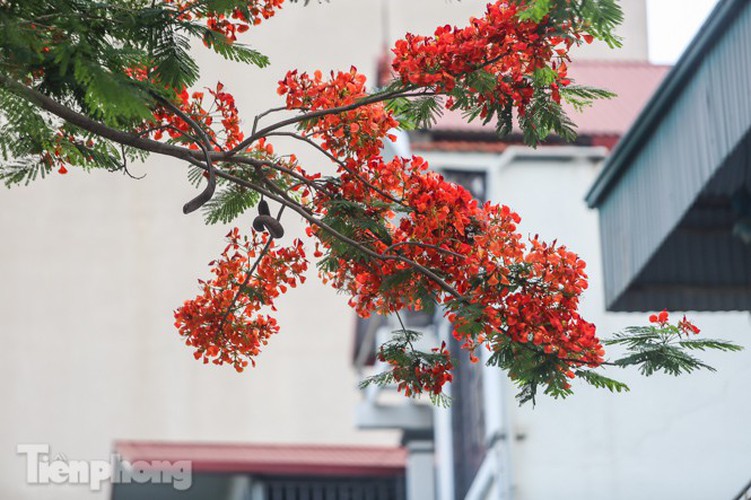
column 661, row 319
column 239, row 21
column 527, row 293
column 220, row 110
column 493, row 285
column 356, row 133
column 499, row 43
column 530, row 294
column 421, row 376
column 224, row 323
column 684, row 326
column 544, row 309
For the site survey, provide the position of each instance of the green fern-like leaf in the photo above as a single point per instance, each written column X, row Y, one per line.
column 600, row 381
column 229, row 204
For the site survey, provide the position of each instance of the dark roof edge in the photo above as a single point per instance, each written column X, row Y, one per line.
column 656, row 108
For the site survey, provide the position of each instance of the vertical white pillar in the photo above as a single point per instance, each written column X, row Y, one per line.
column 420, row 470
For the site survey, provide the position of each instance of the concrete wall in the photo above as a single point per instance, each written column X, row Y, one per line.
column 684, row 437
column 92, row 266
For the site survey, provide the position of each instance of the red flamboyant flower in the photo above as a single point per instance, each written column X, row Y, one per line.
column 239, row 21
column 224, row 323
column 661, row 318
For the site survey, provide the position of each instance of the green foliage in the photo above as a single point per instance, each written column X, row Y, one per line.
column 664, row 349
column 582, row 96
column 80, row 53
column 543, row 117
column 422, row 112
column 536, row 10
column 231, row 51
column 602, row 16
column 24, row 134
column 173, row 65
column 531, row 369
column 356, row 220
column 228, row 204
column 400, row 351
column 601, row 381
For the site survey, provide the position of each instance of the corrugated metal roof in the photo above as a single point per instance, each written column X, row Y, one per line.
column 673, row 86
column 634, row 82
column 307, row 460
column 664, row 194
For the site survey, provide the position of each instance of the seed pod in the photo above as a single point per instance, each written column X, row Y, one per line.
column 258, row 225
column 263, row 208
column 273, row 226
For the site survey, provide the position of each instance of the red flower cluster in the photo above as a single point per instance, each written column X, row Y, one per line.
column 223, row 324
column 544, row 309
column 357, row 133
column 221, row 108
column 684, row 326
column 239, row 20
column 434, row 242
column 422, row 376
column 500, row 288
column 499, row 44
column 56, row 156
column 661, row 318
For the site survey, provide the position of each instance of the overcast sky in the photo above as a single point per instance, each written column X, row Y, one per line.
column 672, row 24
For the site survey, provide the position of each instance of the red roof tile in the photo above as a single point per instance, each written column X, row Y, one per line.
column 461, row 146
column 634, row 82
column 308, row 460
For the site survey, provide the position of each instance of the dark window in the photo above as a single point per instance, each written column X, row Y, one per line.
column 468, row 416
column 334, row 489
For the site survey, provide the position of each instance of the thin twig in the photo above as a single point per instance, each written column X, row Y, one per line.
column 425, row 245
column 372, row 99
column 342, row 164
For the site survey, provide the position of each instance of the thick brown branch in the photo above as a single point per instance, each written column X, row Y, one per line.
column 93, row 126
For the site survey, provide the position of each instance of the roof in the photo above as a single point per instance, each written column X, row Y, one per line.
column 633, row 81
column 273, row 459
column 671, row 196
column 664, row 97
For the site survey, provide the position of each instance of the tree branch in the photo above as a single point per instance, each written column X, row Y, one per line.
column 93, row 126
column 204, row 144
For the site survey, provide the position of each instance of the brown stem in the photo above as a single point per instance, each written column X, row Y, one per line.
column 204, row 144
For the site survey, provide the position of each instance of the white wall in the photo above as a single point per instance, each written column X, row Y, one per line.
column 684, row 437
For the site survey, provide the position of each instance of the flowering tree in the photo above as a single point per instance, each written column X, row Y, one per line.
column 96, row 84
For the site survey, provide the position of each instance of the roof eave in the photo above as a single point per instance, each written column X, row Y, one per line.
column 658, row 106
